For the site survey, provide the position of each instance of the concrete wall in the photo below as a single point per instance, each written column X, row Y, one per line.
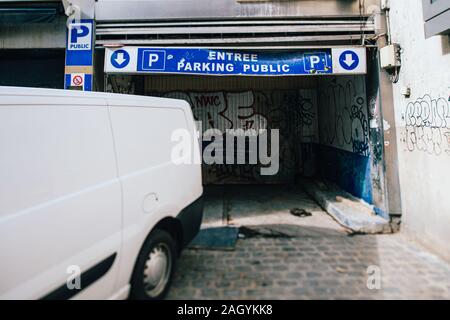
column 343, row 113
column 344, row 153
column 423, row 125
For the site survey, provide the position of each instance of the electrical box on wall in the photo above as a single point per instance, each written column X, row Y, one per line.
column 390, row 56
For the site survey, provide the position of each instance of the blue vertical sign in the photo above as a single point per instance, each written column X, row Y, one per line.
column 79, row 55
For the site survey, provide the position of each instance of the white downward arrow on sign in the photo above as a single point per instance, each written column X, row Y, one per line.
column 120, row 59
column 349, row 60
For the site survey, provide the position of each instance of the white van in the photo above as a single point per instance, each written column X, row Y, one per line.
column 92, row 205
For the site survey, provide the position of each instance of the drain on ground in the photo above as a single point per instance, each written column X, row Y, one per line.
column 302, row 213
column 247, row 232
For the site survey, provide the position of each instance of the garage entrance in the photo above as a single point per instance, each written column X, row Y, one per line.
column 320, row 120
column 327, row 120
column 250, row 103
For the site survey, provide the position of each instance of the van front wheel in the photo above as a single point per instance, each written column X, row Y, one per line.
column 154, row 268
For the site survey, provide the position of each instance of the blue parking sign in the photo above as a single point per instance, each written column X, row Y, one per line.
column 228, row 62
column 80, row 52
column 316, row 62
column 151, row 60
column 79, row 36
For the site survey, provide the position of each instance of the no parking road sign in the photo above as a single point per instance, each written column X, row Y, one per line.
column 77, row 80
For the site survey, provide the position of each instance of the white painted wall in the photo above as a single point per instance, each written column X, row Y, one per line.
column 423, row 124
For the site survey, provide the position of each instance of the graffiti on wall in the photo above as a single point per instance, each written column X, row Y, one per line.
column 222, row 110
column 344, row 121
column 344, row 134
column 427, row 126
column 293, row 112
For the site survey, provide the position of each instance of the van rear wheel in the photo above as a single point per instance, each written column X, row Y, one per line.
column 154, row 268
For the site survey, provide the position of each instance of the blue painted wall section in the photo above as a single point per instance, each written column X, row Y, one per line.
column 349, row 170
column 344, row 150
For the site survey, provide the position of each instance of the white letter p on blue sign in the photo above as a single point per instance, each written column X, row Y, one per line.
column 152, row 57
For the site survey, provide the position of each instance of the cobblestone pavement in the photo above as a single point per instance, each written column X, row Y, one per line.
column 323, row 267
column 314, row 259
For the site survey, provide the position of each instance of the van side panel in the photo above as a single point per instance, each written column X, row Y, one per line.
column 60, row 200
column 154, row 187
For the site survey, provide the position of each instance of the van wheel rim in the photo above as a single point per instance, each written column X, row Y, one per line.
column 157, row 270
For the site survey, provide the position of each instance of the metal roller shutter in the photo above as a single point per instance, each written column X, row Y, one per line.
column 271, row 32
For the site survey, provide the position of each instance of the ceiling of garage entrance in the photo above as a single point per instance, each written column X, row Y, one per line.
column 109, row 10
column 233, row 22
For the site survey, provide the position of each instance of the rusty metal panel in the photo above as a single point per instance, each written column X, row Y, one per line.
column 250, row 103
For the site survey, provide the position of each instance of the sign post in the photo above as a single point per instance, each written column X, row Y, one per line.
column 79, row 55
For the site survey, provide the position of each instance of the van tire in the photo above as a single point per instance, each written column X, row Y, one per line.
column 154, row 268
